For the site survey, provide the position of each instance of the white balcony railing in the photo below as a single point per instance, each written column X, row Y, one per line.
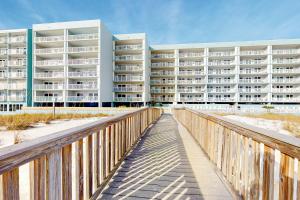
column 190, row 63
column 190, row 54
column 16, row 63
column 43, row 63
column 191, row 99
column 48, row 99
column 128, row 78
column 188, row 73
column 253, row 52
column 3, row 98
column 128, row 89
column 162, row 99
column 3, row 51
column 128, row 99
column 16, row 86
column 129, row 47
column 286, row 61
column 82, row 87
column 253, row 71
column 162, row 82
column 3, row 75
column 162, row 73
column 58, row 38
column 289, row 71
column 221, row 99
column 55, row 74
column 49, row 86
column 163, row 64
column 16, row 98
column 49, row 51
column 17, row 74
column 83, row 49
column 286, row 90
column 160, row 90
column 286, row 51
column 162, row 55
column 223, row 62
column 221, row 53
column 190, row 90
column 253, row 90
column 3, row 40
column 3, row 63
column 17, row 39
column 191, row 82
column 87, row 61
column 128, row 57
column 285, row 80
column 253, row 81
column 83, row 74
column 18, row 51
column 253, row 62
column 132, row 68
column 253, row 99
column 220, row 90
column 82, row 98
column 221, row 72
column 92, row 36
column 221, row 81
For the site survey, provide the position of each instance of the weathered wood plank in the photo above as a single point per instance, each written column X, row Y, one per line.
column 286, row 177
column 38, row 179
column 67, row 172
column 54, row 175
column 10, row 184
column 79, row 170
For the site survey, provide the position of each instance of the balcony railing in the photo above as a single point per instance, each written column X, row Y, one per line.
column 286, row 51
column 3, row 40
column 253, row 81
column 43, row 63
column 286, row 61
column 17, row 74
column 131, row 68
column 253, row 99
column 83, row 74
column 220, row 99
column 49, row 51
column 16, row 86
column 221, row 90
column 82, row 98
column 292, row 99
column 129, row 47
column 193, row 90
column 58, row 38
column 3, row 98
column 190, row 55
column 128, row 99
column 83, row 49
column 162, row 82
column 49, row 74
column 162, row 73
column 162, row 99
column 163, row 64
column 92, row 36
column 49, row 99
column 3, row 74
column 191, row 82
column 190, row 63
column 252, row 71
column 87, row 61
column 49, row 86
column 253, row 62
column 191, row 99
column 82, row 86
column 128, row 78
column 159, row 90
column 221, row 81
column 221, row 72
column 162, row 55
column 16, row 63
column 221, row 53
column 3, row 63
column 253, row 90
column 289, row 71
column 17, row 39
column 223, row 62
column 21, row 51
column 253, row 52
column 194, row 73
column 128, row 57
column 3, row 51
column 129, row 89
column 285, row 80
column 16, row 98
column 286, row 90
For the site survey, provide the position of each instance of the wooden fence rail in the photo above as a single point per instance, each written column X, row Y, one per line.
column 77, row 161
column 258, row 164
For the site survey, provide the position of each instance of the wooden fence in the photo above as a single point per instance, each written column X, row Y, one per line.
column 77, row 161
column 258, row 164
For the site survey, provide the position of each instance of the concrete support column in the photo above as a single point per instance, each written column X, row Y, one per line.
column 269, row 71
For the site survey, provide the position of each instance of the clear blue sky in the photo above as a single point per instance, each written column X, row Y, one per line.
column 167, row 21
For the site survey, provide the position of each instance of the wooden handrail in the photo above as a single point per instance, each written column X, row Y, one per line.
column 258, row 163
column 106, row 142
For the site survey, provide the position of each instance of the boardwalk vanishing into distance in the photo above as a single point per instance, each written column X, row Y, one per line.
column 159, row 168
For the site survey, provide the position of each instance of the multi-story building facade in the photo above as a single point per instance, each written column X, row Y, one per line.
column 15, row 60
column 82, row 64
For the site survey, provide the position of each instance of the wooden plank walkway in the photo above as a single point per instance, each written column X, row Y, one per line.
column 166, row 164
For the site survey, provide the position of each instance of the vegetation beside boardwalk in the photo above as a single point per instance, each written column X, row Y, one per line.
column 24, row 121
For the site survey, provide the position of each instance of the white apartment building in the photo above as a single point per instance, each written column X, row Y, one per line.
column 81, row 63
column 131, row 69
column 13, row 69
column 72, row 64
column 231, row 73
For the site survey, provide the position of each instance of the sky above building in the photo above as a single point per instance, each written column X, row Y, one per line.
column 167, row 21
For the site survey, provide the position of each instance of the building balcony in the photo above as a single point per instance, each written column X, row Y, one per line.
column 286, row 61
column 253, row 71
column 285, row 51
column 191, row 82
column 87, row 61
column 16, row 86
column 286, row 71
column 164, row 82
column 17, row 63
column 128, row 99
column 16, row 98
column 83, row 74
column 128, row 78
column 253, row 99
column 162, row 55
column 287, row 100
column 3, row 40
column 2, row 63
column 221, row 72
column 191, row 99
column 45, row 63
column 190, row 73
column 286, row 90
column 82, row 98
column 221, row 99
column 49, row 86
column 221, row 81
column 191, row 55
column 49, row 51
column 20, row 51
column 3, row 51
column 253, row 81
column 190, row 63
column 129, row 89
column 189, row 90
column 162, row 73
column 253, row 62
column 129, row 47
column 285, row 80
column 163, row 64
column 17, row 75
column 92, row 36
column 58, row 38
column 3, row 75
column 221, row 63
column 82, row 87
column 253, row 52
column 49, row 74
column 221, row 54
column 253, row 90
column 83, row 49
column 17, row 39
column 48, row 99
column 160, row 90
column 128, row 68
column 162, row 99
column 129, row 58
column 2, row 98
column 220, row 90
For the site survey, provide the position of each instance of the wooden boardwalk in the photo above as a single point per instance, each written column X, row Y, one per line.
column 166, row 164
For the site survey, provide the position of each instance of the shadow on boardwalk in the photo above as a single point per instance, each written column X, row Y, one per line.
column 158, row 168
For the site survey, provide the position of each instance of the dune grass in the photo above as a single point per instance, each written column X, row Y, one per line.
column 24, row 121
